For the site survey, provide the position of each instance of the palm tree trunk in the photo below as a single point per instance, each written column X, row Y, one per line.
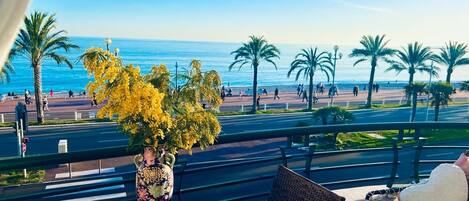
column 310, row 94
column 414, row 106
column 254, row 92
column 38, row 93
column 448, row 75
column 411, row 81
column 370, row 84
column 437, row 108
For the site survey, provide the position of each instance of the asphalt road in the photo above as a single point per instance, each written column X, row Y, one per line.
column 82, row 137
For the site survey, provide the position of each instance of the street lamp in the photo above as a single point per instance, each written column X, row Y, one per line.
column 108, row 42
column 334, row 57
column 428, row 94
column 116, row 51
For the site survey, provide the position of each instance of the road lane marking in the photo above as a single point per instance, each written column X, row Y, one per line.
column 114, row 140
column 107, row 188
column 84, row 173
column 80, row 183
column 101, row 197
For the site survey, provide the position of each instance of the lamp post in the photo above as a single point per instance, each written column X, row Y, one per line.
column 116, row 51
column 428, row 94
column 108, row 42
column 334, row 57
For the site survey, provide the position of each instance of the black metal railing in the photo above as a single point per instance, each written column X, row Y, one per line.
column 184, row 168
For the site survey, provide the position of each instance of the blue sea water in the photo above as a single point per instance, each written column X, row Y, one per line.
column 214, row 55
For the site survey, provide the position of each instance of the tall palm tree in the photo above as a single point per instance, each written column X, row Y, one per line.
column 414, row 90
column 441, row 94
column 37, row 42
column 308, row 61
column 373, row 49
column 413, row 59
column 452, row 56
column 256, row 50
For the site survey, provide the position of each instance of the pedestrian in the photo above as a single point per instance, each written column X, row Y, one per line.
column 377, row 87
column 264, row 91
column 222, row 95
column 276, row 94
column 335, row 90
column 330, row 93
column 26, row 97
column 355, row 90
column 51, row 93
column 364, row 87
column 230, row 92
column 298, row 90
column 305, row 96
column 321, row 88
column 94, row 102
column 258, row 101
column 45, row 104
column 240, row 94
column 70, row 93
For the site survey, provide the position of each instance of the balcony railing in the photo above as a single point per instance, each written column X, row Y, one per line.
column 290, row 156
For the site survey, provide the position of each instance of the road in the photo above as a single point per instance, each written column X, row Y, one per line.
column 82, row 137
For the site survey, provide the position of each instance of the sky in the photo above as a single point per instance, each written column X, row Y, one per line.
column 340, row 22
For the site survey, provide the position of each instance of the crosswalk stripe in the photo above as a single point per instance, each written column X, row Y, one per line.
column 84, row 173
column 101, row 197
column 79, row 183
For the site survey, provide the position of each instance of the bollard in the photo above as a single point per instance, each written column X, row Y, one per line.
column 265, row 107
column 286, row 106
column 348, row 104
column 76, row 115
column 384, row 101
column 242, row 108
column 400, row 101
column 3, row 118
column 328, row 104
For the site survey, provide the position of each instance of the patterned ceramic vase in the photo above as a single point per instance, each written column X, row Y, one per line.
column 155, row 182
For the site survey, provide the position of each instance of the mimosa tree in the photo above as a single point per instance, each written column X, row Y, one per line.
column 148, row 109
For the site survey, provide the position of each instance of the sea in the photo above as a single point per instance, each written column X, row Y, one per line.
column 213, row 55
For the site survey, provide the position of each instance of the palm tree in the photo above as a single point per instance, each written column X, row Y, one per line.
column 441, row 95
column 414, row 90
column 333, row 115
column 252, row 53
column 452, row 56
column 308, row 61
column 413, row 59
column 37, row 42
column 374, row 49
column 7, row 69
column 465, row 85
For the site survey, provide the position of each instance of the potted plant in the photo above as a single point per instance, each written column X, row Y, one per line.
column 159, row 117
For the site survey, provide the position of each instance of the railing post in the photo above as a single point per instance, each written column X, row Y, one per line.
column 265, row 107
column 309, row 160
column 286, row 106
column 418, row 151
column 306, row 141
column 289, row 141
column 76, row 115
column 3, row 118
column 400, row 101
column 395, row 162
column 348, row 104
column 328, row 104
column 242, row 108
column 417, row 134
column 400, row 136
column 384, row 102
column 284, row 156
column 100, row 166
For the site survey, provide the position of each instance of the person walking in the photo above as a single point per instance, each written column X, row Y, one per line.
column 94, row 102
column 377, row 87
column 70, row 93
column 276, row 94
column 305, row 96
column 222, row 95
column 298, row 90
column 51, row 93
column 258, row 102
column 45, row 104
column 355, row 90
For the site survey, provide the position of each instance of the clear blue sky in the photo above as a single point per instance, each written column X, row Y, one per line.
column 282, row 21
